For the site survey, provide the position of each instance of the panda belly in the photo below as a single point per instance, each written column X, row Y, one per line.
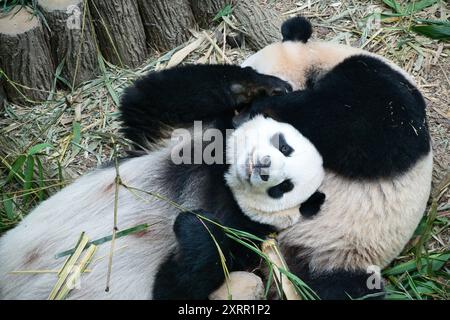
column 88, row 205
column 362, row 223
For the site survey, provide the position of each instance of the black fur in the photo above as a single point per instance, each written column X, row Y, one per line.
column 365, row 118
column 178, row 96
column 312, row 205
column 332, row 285
column 296, row 29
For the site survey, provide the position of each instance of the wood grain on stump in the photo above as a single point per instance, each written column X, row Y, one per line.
column 260, row 24
column 25, row 56
column 119, row 30
column 2, row 97
column 166, row 23
column 72, row 41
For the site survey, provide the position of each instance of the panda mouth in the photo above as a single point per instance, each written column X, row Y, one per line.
column 249, row 167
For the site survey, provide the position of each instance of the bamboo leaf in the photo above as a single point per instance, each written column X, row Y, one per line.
column 437, row 261
column 226, row 11
column 16, row 169
column 417, row 6
column 38, row 148
column 393, row 5
column 8, row 205
column 29, row 172
column 41, row 182
column 97, row 242
column 433, row 31
column 76, row 137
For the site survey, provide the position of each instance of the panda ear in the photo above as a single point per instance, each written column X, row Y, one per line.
column 296, row 29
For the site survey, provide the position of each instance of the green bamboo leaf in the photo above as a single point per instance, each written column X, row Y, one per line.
column 38, row 148
column 393, row 5
column 76, row 137
column 16, row 170
column 29, row 173
column 8, row 205
column 226, row 11
column 97, row 242
column 434, row 31
column 437, row 262
column 41, row 182
column 417, row 6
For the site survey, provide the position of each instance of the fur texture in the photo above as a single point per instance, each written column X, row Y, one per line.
column 367, row 119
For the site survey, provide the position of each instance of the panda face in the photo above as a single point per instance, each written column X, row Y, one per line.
column 273, row 169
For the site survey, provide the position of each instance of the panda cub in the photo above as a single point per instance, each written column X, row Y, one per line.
column 271, row 169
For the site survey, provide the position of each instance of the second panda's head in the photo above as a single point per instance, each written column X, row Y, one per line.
column 273, row 169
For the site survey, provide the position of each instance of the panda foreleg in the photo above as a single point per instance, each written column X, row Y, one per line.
column 179, row 96
column 195, row 270
column 312, row 205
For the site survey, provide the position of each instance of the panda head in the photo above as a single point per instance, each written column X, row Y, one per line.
column 273, row 169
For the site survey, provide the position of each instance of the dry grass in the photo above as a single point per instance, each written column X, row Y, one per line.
column 79, row 125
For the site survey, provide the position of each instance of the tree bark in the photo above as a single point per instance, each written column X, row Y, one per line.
column 72, row 40
column 119, row 30
column 206, row 10
column 25, row 57
column 261, row 25
column 2, row 98
column 166, row 23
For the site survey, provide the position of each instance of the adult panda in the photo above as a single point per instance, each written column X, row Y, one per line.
column 273, row 171
column 367, row 119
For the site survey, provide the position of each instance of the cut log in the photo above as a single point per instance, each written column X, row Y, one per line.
column 119, row 30
column 25, row 57
column 72, row 41
column 2, row 97
column 166, row 23
column 261, row 25
column 205, row 11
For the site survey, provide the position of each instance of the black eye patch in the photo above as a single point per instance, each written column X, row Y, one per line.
column 278, row 141
column 277, row 191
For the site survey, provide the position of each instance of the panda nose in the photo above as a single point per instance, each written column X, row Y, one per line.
column 263, row 165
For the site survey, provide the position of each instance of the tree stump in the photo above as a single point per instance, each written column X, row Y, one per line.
column 2, row 97
column 206, row 10
column 119, row 30
column 260, row 24
column 72, row 41
column 166, row 23
column 25, row 57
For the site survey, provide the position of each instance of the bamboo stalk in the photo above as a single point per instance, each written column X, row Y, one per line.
column 270, row 248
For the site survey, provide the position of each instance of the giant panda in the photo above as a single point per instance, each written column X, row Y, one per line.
column 270, row 169
column 367, row 119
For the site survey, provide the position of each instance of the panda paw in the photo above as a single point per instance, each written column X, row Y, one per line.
column 258, row 85
column 190, row 229
column 312, row 206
